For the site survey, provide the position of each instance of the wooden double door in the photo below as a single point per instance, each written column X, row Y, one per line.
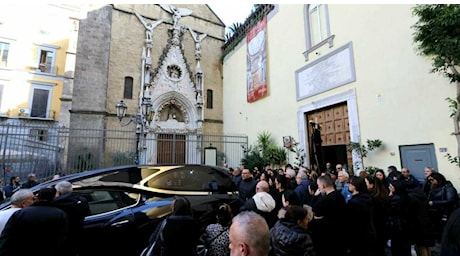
column 334, row 132
column 171, row 148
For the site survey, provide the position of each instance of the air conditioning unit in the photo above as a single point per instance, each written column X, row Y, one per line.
column 24, row 112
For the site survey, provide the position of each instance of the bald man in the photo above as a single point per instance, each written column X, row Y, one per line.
column 249, row 235
column 262, row 203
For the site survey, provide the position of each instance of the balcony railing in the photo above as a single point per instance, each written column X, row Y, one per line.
column 44, row 68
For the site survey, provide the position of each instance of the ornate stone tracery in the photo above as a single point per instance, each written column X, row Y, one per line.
column 172, row 78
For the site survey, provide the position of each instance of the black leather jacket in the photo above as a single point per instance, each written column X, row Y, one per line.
column 444, row 198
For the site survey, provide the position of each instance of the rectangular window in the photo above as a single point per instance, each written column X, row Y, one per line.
column 38, row 135
column 318, row 23
column 317, row 28
column 46, row 61
column 40, row 99
column 4, row 49
column 40, row 103
column 128, row 90
column 46, row 58
column 209, row 98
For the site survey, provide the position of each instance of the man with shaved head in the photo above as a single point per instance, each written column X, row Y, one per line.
column 262, row 203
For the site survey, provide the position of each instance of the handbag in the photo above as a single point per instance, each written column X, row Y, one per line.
column 155, row 248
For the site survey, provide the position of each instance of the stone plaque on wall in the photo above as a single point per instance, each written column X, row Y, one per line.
column 331, row 71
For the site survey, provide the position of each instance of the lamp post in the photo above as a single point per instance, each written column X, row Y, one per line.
column 142, row 119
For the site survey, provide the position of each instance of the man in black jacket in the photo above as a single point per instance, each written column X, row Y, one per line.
column 247, row 187
column 77, row 209
column 31, row 181
column 37, row 230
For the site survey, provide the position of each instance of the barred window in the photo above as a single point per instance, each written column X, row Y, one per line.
column 38, row 134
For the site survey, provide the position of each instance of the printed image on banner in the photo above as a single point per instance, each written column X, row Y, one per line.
column 257, row 61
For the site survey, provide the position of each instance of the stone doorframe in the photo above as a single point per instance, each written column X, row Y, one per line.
column 350, row 97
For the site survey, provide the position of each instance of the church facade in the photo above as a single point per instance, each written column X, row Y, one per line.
column 166, row 55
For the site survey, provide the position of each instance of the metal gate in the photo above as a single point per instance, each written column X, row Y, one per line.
column 46, row 149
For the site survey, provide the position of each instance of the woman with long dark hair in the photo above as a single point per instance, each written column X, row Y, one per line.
column 380, row 199
column 398, row 223
column 179, row 233
column 442, row 200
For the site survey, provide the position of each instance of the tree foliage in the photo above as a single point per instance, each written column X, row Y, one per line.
column 263, row 152
column 299, row 153
column 437, row 36
column 364, row 149
column 252, row 158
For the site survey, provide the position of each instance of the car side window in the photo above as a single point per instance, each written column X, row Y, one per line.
column 102, row 201
column 191, row 178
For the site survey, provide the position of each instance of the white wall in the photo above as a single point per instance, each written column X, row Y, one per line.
column 398, row 100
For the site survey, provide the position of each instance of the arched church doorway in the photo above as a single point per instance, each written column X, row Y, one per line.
column 329, row 137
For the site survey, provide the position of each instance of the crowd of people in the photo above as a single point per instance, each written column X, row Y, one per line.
column 15, row 184
column 55, row 215
column 295, row 212
column 282, row 212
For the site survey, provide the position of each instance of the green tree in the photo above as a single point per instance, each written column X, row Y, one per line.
column 252, row 158
column 437, row 36
column 263, row 152
column 233, row 28
column 299, row 153
column 363, row 149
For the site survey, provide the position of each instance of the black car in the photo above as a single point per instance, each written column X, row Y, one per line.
column 127, row 202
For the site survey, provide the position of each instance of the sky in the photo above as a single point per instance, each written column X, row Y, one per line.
column 231, row 13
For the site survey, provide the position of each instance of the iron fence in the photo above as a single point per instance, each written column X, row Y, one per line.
column 46, row 149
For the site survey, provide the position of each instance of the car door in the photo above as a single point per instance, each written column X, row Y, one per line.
column 109, row 227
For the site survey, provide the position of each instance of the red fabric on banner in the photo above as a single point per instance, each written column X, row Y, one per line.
column 256, row 61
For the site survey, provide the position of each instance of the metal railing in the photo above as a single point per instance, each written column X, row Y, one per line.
column 46, row 149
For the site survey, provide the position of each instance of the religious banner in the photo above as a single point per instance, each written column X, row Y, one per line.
column 257, row 61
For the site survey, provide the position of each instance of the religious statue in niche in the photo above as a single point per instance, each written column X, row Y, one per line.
column 173, row 113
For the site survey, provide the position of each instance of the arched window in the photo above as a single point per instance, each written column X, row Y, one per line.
column 317, row 29
column 209, row 98
column 128, row 90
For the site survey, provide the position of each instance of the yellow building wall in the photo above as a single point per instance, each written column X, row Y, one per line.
column 27, row 28
column 398, row 100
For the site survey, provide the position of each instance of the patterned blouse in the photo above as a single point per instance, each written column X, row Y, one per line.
column 217, row 235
